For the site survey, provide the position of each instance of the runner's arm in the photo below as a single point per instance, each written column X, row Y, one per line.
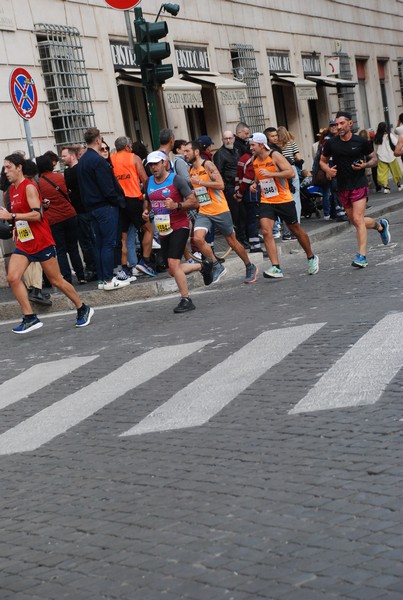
column 140, row 170
column 285, row 169
column 216, row 181
column 324, row 165
column 34, row 202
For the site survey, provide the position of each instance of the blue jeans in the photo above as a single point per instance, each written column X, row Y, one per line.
column 104, row 221
column 131, row 246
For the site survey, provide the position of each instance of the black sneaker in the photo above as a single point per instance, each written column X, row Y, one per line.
column 207, row 271
column 184, row 305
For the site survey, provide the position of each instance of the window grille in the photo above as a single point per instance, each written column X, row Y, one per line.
column 245, row 69
column 66, row 81
column 400, row 70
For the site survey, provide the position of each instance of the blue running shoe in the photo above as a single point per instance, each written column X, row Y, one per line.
column 218, row 272
column 385, row 233
column 84, row 316
column 146, row 268
column 28, row 324
column 359, row 261
column 251, row 273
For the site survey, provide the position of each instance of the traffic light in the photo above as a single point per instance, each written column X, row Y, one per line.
column 150, row 52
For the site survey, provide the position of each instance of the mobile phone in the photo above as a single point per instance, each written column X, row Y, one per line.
column 357, row 162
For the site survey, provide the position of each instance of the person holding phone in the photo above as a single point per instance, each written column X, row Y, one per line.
column 351, row 155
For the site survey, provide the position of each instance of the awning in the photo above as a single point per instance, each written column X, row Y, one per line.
column 332, row 81
column 229, row 91
column 128, row 76
column 179, row 93
column 303, row 88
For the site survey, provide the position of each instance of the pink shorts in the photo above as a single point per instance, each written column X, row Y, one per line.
column 347, row 197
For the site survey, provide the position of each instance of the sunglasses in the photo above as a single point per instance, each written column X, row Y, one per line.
column 104, row 149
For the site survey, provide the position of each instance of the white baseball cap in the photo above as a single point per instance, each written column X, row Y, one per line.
column 156, row 157
column 259, row 138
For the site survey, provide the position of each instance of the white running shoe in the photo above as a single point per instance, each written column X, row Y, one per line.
column 156, row 245
column 115, row 284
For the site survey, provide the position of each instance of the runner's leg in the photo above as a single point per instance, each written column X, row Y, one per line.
column 16, row 268
column 52, row 272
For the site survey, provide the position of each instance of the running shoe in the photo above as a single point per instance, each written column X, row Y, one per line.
column 115, row 284
column 218, row 272
column 276, row 235
column 125, row 275
column 386, row 190
column 185, row 305
column 146, row 268
column 84, row 316
column 313, row 265
column 207, row 271
column 275, row 272
column 400, row 188
column 156, row 245
column 359, row 261
column 28, row 324
column 251, row 273
column 385, row 233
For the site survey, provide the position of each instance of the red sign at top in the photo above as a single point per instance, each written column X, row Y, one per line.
column 123, row 4
column 23, row 93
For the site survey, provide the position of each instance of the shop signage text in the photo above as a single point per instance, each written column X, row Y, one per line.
column 122, row 56
column 310, row 64
column 233, row 97
column 189, row 58
column 279, row 62
column 182, row 99
column 7, row 22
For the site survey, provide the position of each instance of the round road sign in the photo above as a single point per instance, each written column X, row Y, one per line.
column 23, row 93
column 123, row 4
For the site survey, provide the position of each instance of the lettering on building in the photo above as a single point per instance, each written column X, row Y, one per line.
column 279, row 62
column 122, row 56
column 311, row 64
column 233, row 97
column 189, row 58
column 182, row 99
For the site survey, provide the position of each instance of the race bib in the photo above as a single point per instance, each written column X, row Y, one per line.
column 269, row 188
column 24, row 232
column 202, row 195
column 163, row 224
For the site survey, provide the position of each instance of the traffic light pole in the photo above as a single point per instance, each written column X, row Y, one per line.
column 150, row 97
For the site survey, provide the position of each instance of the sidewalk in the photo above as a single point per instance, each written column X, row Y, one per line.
column 145, row 287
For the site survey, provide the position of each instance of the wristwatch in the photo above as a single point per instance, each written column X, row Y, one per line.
column 179, row 206
column 14, row 216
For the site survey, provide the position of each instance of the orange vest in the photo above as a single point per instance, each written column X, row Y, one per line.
column 212, row 202
column 273, row 189
column 126, row 173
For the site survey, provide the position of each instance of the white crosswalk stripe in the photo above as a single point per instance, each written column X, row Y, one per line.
column 206, row 396
column 71, row 410
column 362, row 374
column 37, row 377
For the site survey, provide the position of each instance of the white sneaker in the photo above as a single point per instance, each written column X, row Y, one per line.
column 115, row 284
column 400, row 188
column 386, row 190
column 124, row 276
column 277, row 235
column 101, row 285
column 156, row 245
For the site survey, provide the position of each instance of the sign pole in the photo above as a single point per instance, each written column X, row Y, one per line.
column 28, row 135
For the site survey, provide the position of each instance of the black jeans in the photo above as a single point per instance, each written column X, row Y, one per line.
column 65, row 234
column 86, row 241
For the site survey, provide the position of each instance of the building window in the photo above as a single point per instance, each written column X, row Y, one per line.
column 66, row 81
column 245, row 69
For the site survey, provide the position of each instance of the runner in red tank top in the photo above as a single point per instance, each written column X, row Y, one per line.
column 34, row 243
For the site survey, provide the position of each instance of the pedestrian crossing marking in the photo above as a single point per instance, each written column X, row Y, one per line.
column 199, row 401
column 71, row 410
column 361, row 375
column 37, row 377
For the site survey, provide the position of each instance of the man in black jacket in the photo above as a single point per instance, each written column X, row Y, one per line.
column 242, row 135
column 101, row 196
column 226, row 160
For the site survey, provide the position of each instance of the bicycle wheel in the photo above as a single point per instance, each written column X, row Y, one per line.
column 220, row 247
